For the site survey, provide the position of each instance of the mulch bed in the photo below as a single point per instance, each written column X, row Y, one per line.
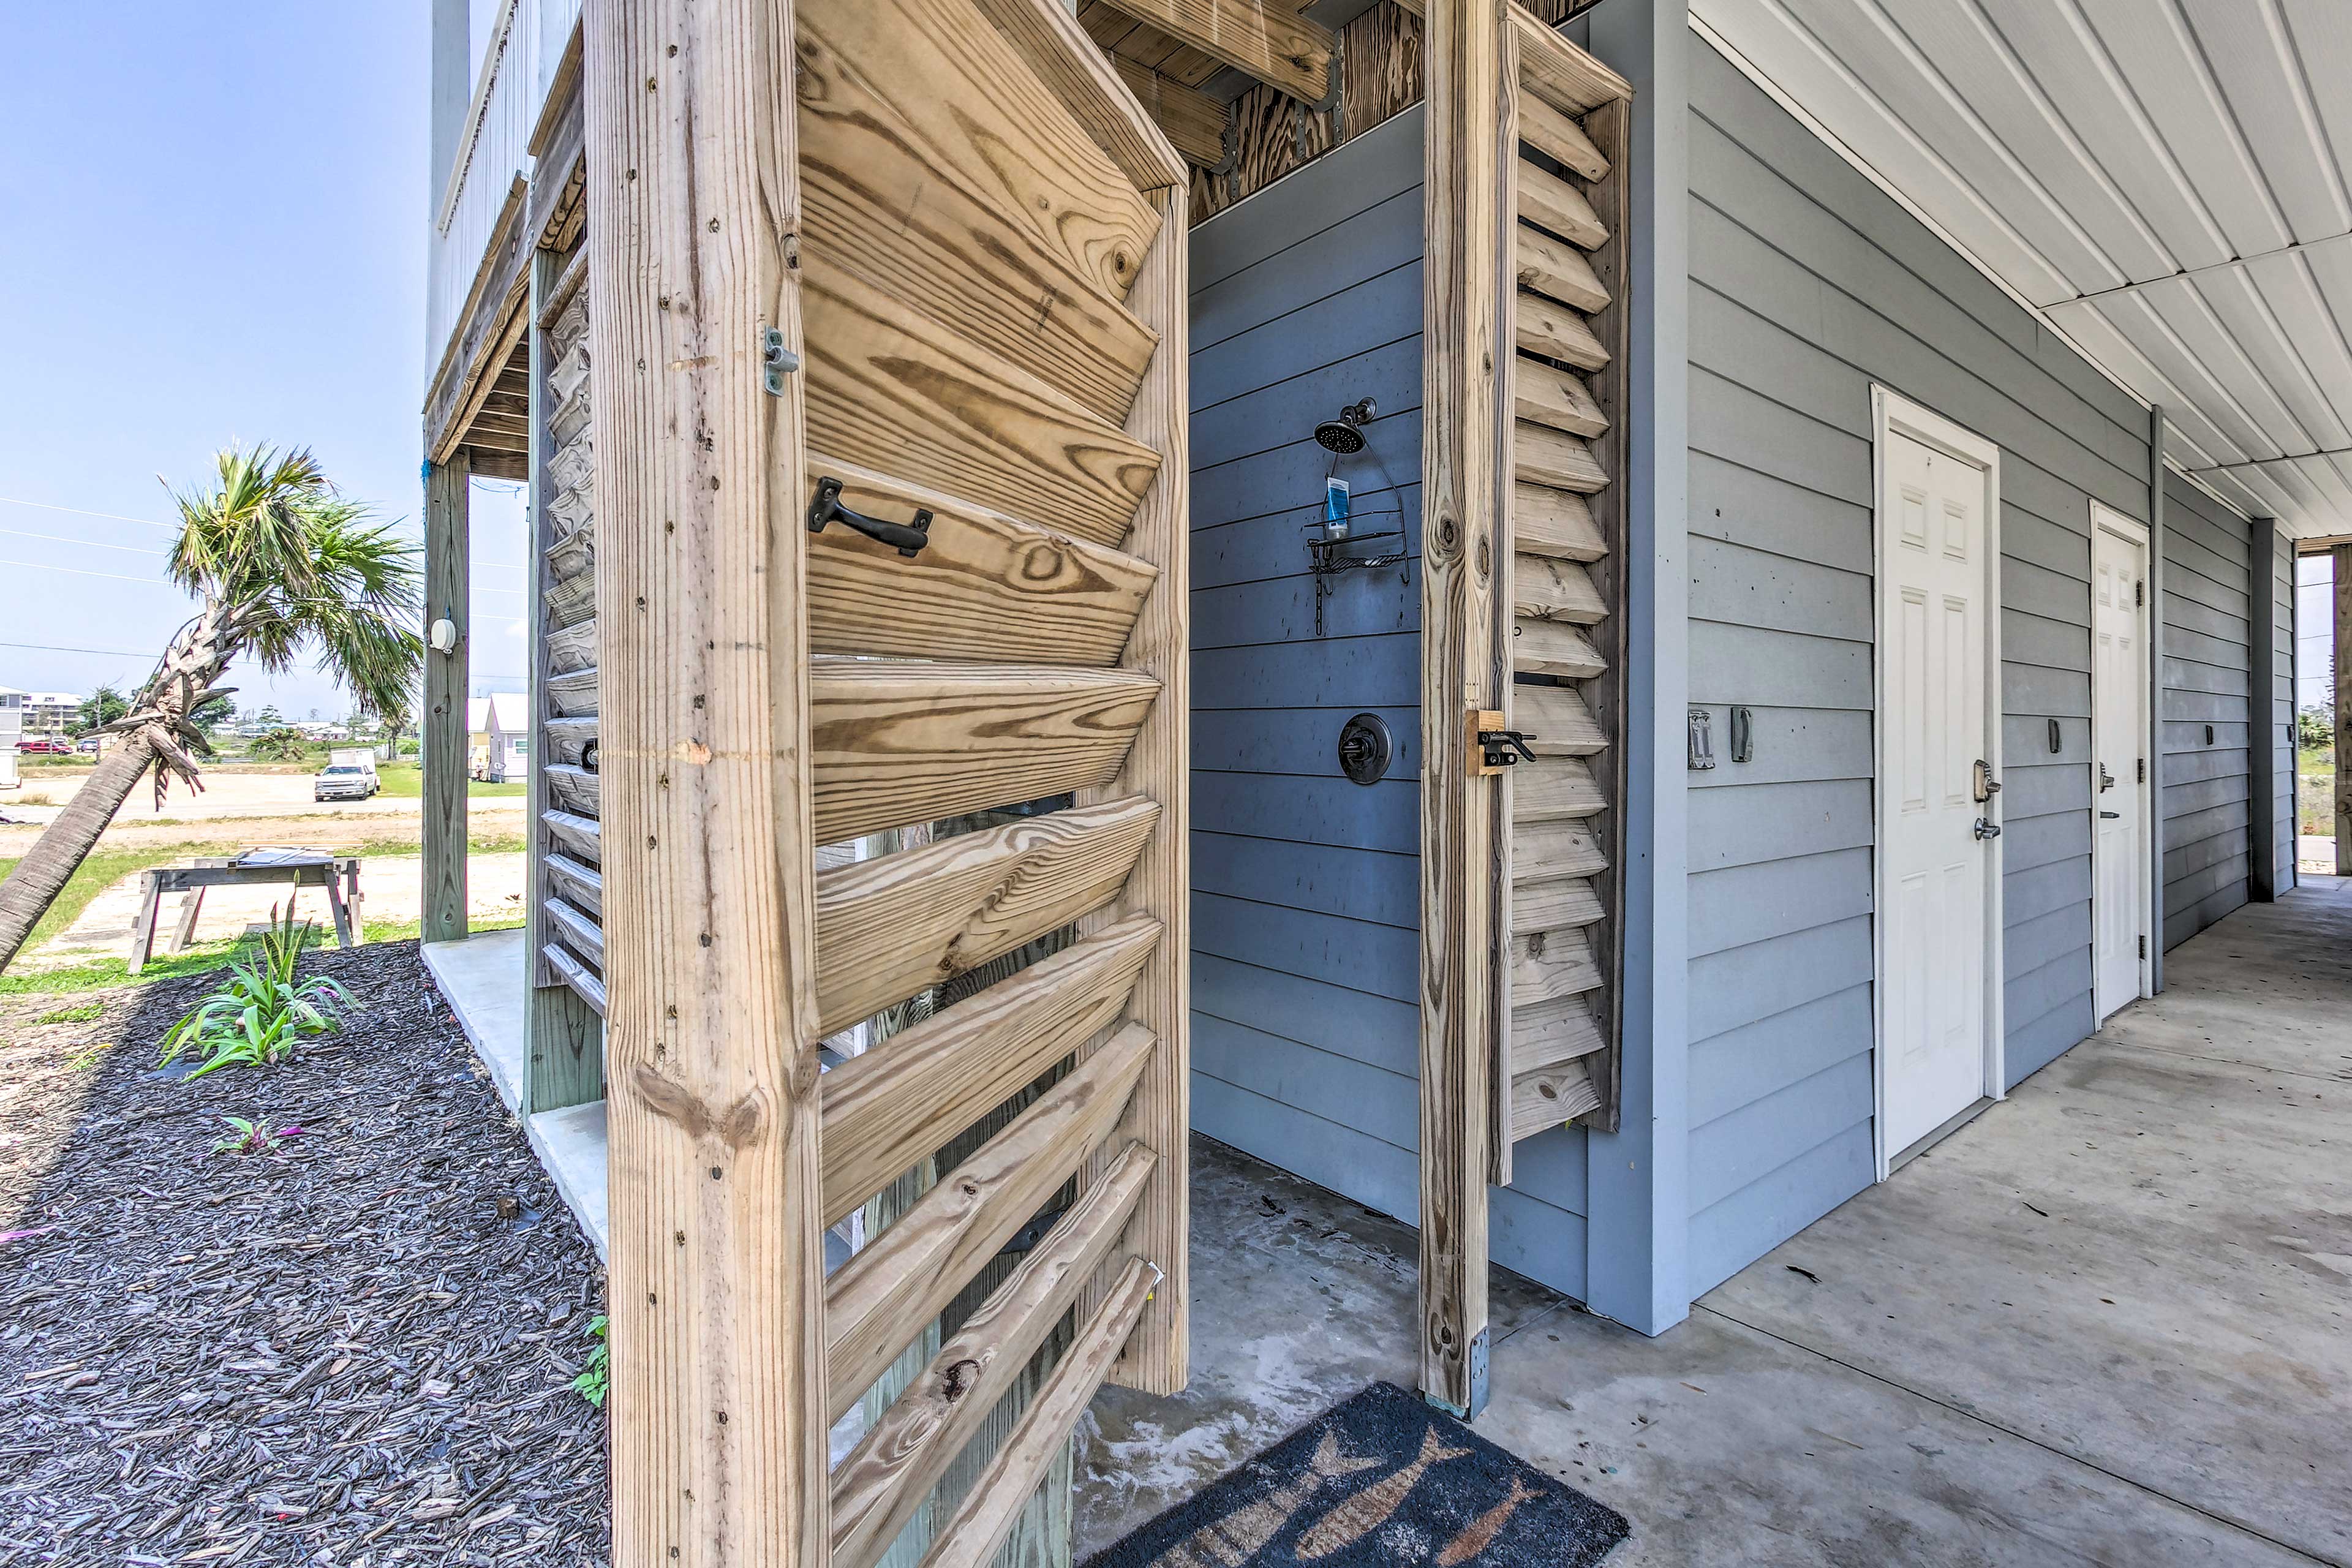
column 354, row 1350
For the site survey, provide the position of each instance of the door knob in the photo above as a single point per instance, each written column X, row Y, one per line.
column 1986, row 830
column 2111, row 816
column 1987, row 786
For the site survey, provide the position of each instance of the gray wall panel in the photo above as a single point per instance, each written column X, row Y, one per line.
column 2207, row 674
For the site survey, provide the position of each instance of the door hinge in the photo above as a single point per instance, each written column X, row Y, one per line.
column 2143, row 771
column 2139, row 593
column 2143, row 946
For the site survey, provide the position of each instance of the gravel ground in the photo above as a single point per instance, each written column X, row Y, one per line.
column 353, row 1350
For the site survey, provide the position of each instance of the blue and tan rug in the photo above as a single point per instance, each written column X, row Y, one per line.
column 1381, row 1481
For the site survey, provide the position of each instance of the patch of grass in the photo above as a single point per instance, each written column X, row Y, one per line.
column 406, row 781
column 82, row 1013
column 409, row 931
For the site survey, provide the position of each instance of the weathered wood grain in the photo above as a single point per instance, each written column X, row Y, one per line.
column 1194, row 122
column 880, row 1299
column 584, row 835
column 1554, row 648
column 888, row 927
column 1051, row 43
column 987, row 587
column 899, row 740
column 575, row 692
column 1557, row 722
column 580, row 932
column 443, row 742
column 1543, row 455
column 1544, row 851
column 583, row 979
column 1546, row 327
column 1550, row 202
column 891, row 389
column 1545, row 395
column 886, row 1478
column 1560, row 73
column 1554, row 590
column 1549, row 521
column 901, row 1101
column 1271, row 43
column 1560, row 138
column 1557, row 905
column 1548, row 1097
column 1548, row 964
column 578, row 881
column 1551, row 788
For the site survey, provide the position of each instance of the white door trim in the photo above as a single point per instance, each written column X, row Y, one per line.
column 1892, row 412
column 2130, row 530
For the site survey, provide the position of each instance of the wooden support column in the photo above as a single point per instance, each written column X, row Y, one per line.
column 448, row 597
column 717, row 1269
column 565, row 1064
column 1462, row 489
column 2342, row 555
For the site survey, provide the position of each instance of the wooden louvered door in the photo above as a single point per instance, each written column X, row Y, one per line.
column 959, row 643
column 1562, row 577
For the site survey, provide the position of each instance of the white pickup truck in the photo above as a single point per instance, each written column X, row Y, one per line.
column 350, row 774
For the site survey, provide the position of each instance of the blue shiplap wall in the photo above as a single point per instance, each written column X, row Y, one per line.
column 1305, row 912
column 2207, row 815
column 1807, row 284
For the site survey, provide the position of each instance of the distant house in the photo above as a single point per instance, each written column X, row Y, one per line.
column 497, row 736
column 12, row 730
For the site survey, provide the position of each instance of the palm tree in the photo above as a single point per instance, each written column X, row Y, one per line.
column 282, row 563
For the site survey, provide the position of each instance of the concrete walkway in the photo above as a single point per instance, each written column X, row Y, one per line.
column 2105, row 1323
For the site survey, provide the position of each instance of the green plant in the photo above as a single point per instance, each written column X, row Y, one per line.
column 252, row 1137
column 596, row 1379
column 261, row 1013
column 282, row 745
column 81, row 1015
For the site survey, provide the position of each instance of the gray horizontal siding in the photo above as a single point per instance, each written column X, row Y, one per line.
column 1306, row 887
column 2281, row 739
column 2207, row 815
column 1808, row 285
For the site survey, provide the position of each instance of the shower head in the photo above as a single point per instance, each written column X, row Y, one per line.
column 1345, row 435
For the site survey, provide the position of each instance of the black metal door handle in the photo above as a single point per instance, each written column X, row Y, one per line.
column 1494, row 742
column 907, row 539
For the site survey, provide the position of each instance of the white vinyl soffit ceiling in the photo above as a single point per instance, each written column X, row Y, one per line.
column 2163, row 179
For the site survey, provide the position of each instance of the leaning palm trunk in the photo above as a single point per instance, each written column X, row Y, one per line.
column 157, row 734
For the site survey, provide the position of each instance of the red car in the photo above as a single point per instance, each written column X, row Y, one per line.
column 44, row 749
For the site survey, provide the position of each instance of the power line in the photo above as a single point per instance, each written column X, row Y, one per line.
column 52, row 648
column 78, row 571
column 94, row 544
column 80, row 511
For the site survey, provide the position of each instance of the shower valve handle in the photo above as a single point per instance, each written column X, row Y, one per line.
column 907, row 539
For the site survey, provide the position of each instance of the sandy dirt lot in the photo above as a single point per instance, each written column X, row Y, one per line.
column 225, row 795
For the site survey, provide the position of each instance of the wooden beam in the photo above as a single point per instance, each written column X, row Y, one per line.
column 882, row 1297
column 1560, row 73
column 1280, row 47
column 1463, row 493
column 1053, row 44
column 719, row 1407
column 1158, row 763
column 886, row 1478
column 2344, row 710
column 1549, row 132
column 984, row 1518
column 888, row 927
column 1194, row 122
column 891, row 1107
column 901, row 741
column 484, row 332
column 1547, row 199
column 442, row 744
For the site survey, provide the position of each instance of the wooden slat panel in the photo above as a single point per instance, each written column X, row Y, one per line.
column 573, row 694
column 576, row 974
column 567, row 738
column 1542, row 456
column 1543, row 852
column 1548, row 522
column 1551, row 788
column 986, row 587
column 880, row 1299
column 1568, row 902
column 1540, row 326
column 969, row 1538
column 1554, row 648
column 582, row 935
column 576, row 789
column 1558, row 73
column 1194, row 122
column 1549, row 1097
column 1546, row 129
column 1557, row 722
column 941, row 174
column 1551, row 202
column 1053, row 44
column 891, row 390
column 1554, row 590
column 572, row 600
column 899, row 741
column 581, row 883
column 885, row 1478
column 1279, row 48
column 582, row 834
column 887, row 927
column 1546, row 1034
column 573, row 647
column 1547, row 966
column 904, row 1099
column 1548, row 395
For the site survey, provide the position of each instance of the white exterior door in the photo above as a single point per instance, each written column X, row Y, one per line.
column 2118, row 752
column 1936, row 601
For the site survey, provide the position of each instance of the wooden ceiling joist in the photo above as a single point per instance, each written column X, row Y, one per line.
column 1258, row 38
column 1194, row 122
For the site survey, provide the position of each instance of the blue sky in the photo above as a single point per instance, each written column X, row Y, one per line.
column 212, row 228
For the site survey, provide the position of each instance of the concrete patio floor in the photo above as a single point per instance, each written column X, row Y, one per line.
column 2105, row 1322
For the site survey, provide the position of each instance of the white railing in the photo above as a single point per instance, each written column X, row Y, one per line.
column 511, row 86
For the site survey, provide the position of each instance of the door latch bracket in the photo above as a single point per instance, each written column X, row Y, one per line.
column 1493, row 748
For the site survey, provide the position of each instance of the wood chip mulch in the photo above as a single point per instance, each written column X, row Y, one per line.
column 354, row 1350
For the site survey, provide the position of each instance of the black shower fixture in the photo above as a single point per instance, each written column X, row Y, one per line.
column 1346, row 433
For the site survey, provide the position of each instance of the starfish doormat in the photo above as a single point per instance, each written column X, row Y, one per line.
column 1381, row 1481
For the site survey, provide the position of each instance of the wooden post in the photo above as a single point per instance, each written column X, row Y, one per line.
column 447, row 596
column 2343, row 667
column 564, row 1064
column 717, row 1270
column 1462, row 489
